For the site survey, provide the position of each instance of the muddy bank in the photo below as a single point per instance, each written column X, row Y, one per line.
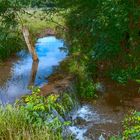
column 5, row 68
column 116, row 94
column 101, row 117
column 57, row 83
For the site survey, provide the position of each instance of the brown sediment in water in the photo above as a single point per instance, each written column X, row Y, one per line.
column 122, row 95
column 111, row 106
column 114, row 104
column 5, row 68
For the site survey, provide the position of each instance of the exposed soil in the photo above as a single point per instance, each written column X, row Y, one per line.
column 57, row 83
column 46, row 32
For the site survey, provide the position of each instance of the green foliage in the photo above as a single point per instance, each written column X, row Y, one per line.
column 103, row 31
column 138, row 81
column 10, row 38
column 35, row 117
column 115, row 138
column 86, row 88
column 123, row 75
column 10, row 42
column 40, row 110
column 14, row 126
column 131, row 126
column 13, row 15
column 78, row 66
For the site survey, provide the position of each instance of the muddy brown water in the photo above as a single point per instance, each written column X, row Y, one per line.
column 102, row 118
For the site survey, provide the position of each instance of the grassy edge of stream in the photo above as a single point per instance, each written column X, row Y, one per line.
column 34, row 130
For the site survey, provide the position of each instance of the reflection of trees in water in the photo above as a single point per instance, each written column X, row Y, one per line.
column 33, row 72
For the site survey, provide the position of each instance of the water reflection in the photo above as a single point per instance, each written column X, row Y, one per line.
column 33, row 72
column 25, row 72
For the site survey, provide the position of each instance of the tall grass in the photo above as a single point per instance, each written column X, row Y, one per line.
column 13, row 126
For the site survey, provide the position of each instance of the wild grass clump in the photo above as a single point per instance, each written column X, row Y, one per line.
column 14, row 126
column 78, row 66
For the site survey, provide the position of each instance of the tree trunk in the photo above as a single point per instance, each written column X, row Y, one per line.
column 29, row 43
column 33, row 73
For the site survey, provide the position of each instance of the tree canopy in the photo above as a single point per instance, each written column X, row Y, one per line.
column 105, row 31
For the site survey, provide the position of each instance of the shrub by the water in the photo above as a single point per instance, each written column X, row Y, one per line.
column 131, row 127
column 35, row 117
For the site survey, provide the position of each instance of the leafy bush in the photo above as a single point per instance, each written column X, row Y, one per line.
column 35, row 117
column 86, row 88
column 79, row 67
column 41, row 110
column 10, row 42
column 14, row 126
column 123, row 75
column 105, row 32
column 131, row 126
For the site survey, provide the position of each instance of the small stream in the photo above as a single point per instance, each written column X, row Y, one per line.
column 101, row 118
column 24, row 72
column 91, row 120
column 96, row 121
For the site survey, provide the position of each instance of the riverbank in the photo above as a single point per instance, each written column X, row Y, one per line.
column 96, row 117
column 86, row 84
column 92, row 117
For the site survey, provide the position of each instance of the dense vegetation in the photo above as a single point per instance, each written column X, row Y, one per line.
column 104, row 36
column 35, row 117
column 16, row 14
column 103, row 39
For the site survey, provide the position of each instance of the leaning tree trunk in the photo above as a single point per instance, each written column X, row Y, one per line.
column 29, row 43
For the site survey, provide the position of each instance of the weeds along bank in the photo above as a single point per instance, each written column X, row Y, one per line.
column 36, row 117
column 131, row 127
column 103, row 42
column 43, row 118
